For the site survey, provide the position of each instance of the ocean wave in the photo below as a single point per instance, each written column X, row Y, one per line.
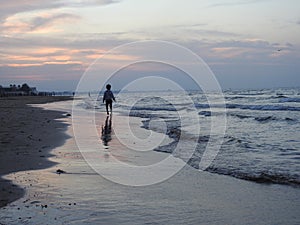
column 256, row 174
column 267, row 177
column 231, row 139
column 238, row 142
column 170, row 107
column 262, row 118
column 234, row 97
column 205, row 113
column 263, row 176
column 254, row 93
column 239, row 116
column 143, row 114
column 202, row 106
column 291, row 152
column 278, row 96
column 265, row 118
column 250, row 107
column 283, row 100
column 153, row 108
column 263, row 107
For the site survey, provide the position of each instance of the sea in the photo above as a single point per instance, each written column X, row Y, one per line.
column 260, row 141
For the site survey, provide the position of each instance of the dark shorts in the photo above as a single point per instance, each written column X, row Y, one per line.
column 108, row 102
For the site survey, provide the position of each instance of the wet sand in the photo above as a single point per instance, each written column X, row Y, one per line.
column 27, row 134
column 82, row 196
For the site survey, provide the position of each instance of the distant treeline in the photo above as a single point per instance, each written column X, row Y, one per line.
column 26, row 90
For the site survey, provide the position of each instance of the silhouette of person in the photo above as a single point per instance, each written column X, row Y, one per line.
column 108, row 97
column 106, row 131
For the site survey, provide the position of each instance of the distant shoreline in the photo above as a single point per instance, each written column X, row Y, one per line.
column 27, row 135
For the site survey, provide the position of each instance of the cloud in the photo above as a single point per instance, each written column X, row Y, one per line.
column 36, row 51
column 195, row 30
column 87, row 47
column 14, row 14
column 43, row 23
column 46, row 21
column 51, row 57
column 84, row 3
column 179, row 33
column 246, row 43
column 235, row 2
column 244, row 51
column 9, row 8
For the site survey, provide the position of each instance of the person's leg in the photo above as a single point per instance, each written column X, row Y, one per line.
column 110, row 106
column 106, row 104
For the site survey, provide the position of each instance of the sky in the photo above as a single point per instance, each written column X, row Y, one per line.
column 245, row 43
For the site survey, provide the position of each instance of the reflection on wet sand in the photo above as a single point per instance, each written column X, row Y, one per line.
column 106, row 131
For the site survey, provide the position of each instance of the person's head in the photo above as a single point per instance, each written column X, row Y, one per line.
column 108, row 86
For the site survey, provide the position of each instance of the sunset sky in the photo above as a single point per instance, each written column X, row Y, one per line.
column 246, row 43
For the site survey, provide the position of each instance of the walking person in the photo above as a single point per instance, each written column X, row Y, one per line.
column 108, row 97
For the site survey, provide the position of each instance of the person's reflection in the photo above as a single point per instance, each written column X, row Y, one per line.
column 106, row 131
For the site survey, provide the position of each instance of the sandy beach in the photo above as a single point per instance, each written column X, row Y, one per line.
column 82, row 196
column 27, row 134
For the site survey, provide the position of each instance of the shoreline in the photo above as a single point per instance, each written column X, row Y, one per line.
column 27, row 135
column 82, row 196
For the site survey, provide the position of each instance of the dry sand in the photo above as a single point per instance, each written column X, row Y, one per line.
column 27, row 134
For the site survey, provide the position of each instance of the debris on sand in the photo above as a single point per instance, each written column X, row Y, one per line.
column 59, row 171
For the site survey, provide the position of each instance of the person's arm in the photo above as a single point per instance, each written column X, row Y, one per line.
column 113, row 97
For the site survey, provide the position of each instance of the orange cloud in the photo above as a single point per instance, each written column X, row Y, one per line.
column 41, row 23
column 62, row 62
column 24, row 64
column 229, row 52
column 28, row 56
column 25, row 58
